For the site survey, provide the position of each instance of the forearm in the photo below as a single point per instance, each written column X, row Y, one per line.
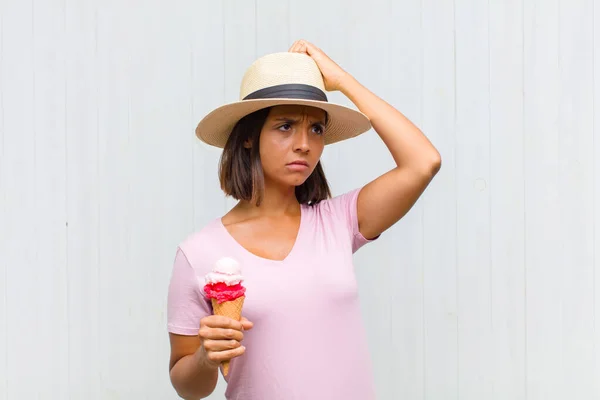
column 192, row 378
column 407, row 144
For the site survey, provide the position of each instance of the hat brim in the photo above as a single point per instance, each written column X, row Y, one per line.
column 343, row 122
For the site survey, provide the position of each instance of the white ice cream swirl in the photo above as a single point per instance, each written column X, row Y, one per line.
column 226, row 270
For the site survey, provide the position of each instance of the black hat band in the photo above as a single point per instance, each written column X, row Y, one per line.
column 289, row 91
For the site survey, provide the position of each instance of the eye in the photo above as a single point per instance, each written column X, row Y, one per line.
column 285, row 127
column 319, row 129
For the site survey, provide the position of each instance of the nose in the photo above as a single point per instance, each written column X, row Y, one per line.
column 301, row 144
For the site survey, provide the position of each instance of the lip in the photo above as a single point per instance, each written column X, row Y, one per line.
column 299, row 162
column 298, row 165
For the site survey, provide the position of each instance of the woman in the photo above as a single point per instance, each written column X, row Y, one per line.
column 301, row 331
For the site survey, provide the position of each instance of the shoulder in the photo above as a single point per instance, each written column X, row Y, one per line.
column 340, row 215
column 338, row 212
column 342, row 206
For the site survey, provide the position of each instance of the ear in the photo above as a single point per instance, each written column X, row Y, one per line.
column 248, row 144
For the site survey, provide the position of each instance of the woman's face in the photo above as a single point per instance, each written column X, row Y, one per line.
column 291, row 143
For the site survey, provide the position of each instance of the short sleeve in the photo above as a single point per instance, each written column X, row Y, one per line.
column 186, row 305
column 347, row 208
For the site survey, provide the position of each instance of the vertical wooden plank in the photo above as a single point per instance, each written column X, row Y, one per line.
column 440, row 208
column 575, row 180
column 118, row 270
column 403, row 86
column 144, row 58
column 83, row 200
column 18, row 177
column 3, row 223
column 596, row 193
column 49, row 217
column 544, row 270
column 507, row 346
column 473, row 199
column 239, row 41
column 3, row 232
column 168, row 179
column 272, row 27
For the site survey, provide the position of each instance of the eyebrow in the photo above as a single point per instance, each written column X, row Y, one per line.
column 290, row 119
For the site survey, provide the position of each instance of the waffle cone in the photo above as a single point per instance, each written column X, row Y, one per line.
column 231, row 309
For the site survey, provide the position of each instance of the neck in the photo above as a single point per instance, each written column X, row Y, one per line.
column 276, row 201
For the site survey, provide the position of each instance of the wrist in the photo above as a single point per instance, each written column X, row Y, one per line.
column 347, row 83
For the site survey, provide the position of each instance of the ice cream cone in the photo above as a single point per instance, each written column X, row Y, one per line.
column 231, row 309
column 223, row 286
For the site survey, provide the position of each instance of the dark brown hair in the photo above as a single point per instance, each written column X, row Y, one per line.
column 240, row 168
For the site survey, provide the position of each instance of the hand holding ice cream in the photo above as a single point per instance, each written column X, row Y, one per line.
column 221, row 339
column 223, row 286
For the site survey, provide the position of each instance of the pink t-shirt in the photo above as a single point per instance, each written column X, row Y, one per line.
column 308, row 340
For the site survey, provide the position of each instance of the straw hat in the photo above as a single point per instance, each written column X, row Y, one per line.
column 276, row 79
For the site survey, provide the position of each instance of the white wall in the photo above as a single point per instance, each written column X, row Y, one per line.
column 486, row 290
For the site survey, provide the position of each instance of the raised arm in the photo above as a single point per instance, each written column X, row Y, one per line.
column 385, row 200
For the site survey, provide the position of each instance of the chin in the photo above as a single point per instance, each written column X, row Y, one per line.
column 294, row 180
column 286, row 179
column 297, row 182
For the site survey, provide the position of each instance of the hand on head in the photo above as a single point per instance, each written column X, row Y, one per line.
column 333, row 75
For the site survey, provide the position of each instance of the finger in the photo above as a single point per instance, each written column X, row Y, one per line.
column 246, row 325
column 220, row 356
column 303, row 48
column 311, row 49
column 293, row 46
column 220, row 321
column 312, row 45
column 221, row 345
column 221, row 334
column 299, row 46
